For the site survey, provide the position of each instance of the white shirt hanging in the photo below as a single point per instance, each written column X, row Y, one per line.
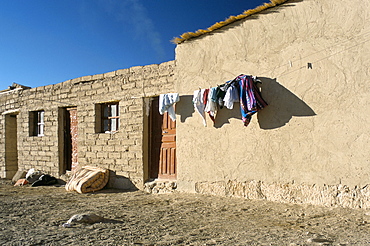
column 199, row 104
column 231, row 96
column 166, row 102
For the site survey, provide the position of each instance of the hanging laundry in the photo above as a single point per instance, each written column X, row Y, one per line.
column 212, row 95
column 199, row 104
column 231, row 96
column 211, row 106
column 166, row 102
column 220, row 94
column 243, row 88
column 205, row 97
column 251, row 100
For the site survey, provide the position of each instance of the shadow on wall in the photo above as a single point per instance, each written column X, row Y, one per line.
column 283, row 105
column 224, row 115
column 185, row 107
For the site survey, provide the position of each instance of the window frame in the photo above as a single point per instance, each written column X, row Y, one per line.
column 109, row 117
column 37, row 123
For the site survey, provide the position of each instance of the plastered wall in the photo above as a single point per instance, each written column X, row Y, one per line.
column 315, row 130
column 121, row 152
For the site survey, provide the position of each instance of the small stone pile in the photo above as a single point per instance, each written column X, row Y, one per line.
column 160, row 187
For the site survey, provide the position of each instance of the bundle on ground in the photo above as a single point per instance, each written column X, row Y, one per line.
column 88, row 179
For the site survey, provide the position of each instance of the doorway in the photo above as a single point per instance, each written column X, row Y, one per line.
column 68, row 139
column 11, row 146
column 162, row 144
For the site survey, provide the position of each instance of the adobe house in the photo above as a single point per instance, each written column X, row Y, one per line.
column 309, row 145
column 99, row 120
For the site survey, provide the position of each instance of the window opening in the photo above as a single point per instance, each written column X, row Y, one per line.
column 110, row 117
column 37, row 123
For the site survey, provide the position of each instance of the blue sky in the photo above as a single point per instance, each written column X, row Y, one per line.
column 46, row 42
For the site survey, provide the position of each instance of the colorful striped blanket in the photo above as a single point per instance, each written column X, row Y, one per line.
column 251, row 100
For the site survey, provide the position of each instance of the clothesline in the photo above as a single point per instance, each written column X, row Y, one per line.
column 242, row 89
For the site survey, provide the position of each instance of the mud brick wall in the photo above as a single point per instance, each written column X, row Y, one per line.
column 122, row 151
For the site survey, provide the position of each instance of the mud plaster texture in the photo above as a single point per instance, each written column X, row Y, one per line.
column 33, row 216
column 315, row 130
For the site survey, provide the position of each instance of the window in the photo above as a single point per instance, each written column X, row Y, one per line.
column 109, row 117
column 37, row 123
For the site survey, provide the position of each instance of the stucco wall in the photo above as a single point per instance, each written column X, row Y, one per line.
column 122, row 151
column 315, row 130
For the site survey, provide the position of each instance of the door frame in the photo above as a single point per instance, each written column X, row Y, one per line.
column 64, row 140
column 154, row 154
column 11, row 144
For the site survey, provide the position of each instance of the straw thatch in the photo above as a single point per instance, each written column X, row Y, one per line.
column 231, row 19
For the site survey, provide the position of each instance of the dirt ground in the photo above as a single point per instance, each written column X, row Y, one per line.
column 34, row 215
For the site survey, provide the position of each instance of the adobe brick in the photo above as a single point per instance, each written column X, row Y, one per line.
column 102, row 91
column 97, row 76
column 90, row 155
column 102, row 154
column 76, row 80
column 123, row 71
column 86, row 78
column 110, row 74
column 135, row 108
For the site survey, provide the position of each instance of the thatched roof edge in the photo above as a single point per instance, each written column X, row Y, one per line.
column 231, row 19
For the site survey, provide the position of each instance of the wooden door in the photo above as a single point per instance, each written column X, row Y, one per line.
column 162, row 144
column 167, row 160
column 73, row 133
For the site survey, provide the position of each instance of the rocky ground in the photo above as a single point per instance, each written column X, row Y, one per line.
column 35, row 215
